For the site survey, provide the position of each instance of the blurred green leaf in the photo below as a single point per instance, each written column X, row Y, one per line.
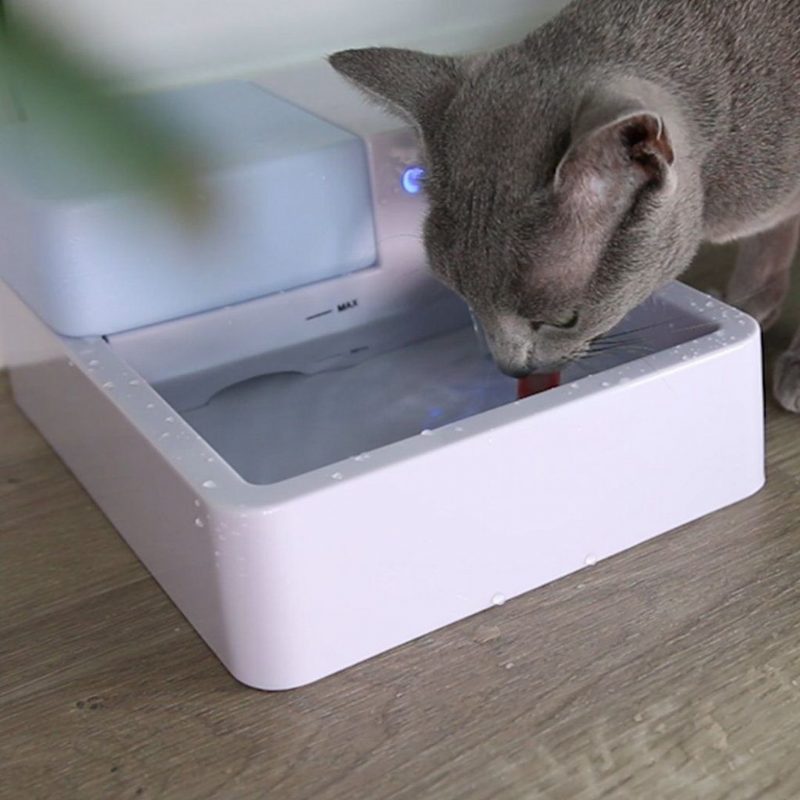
column 96, row 128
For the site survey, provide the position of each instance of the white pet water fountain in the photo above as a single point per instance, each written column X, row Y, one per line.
column 292, row 424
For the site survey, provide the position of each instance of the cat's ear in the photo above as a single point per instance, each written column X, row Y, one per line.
column 617, row 147
column 415, row 85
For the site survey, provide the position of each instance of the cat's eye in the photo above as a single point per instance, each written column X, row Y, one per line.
column 570, row 322
column 564, row 325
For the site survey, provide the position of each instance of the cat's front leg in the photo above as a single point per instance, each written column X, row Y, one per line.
column 786, row 378
column 760, row 280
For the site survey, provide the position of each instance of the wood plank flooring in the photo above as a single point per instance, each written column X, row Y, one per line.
column 671, row 671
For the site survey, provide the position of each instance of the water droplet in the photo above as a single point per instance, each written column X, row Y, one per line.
column 510, row 665
column 606, row 384
column 94, row 363
column 217, row 553
column 459, row 429
column 426, row 432
column 108, row 385
column 134, row 382
column 199, row 523
column 362, row 457
column 498, row 599
column 710, row 304
column 169, row 419
column 574, row 386
column 165, row 435
column 590, row 560
column 70, row 363
column 209, row 484
column 150, row 405
column 197, row 503
column 210, row 460
column 337, row 476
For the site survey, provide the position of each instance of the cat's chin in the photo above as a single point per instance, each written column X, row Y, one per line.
column 538, row 369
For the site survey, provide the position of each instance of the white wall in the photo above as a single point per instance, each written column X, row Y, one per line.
column 158, row 41
column 6, row 113
column 167, row 42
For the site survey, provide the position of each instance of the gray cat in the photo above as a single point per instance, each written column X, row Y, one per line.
column 573, row 173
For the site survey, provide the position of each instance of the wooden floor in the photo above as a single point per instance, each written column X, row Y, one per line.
column 672, row 671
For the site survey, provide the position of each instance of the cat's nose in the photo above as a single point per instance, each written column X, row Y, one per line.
column 513, row 369
column 516, row 369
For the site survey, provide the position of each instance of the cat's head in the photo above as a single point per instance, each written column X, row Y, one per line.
column 554, row 203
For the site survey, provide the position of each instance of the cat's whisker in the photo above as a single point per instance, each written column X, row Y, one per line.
column 698, row 326
column 640, row 343
column 608, row 346
column 623, row 348
column 604, row 341
column 640, row 329
column 621, row 336
column 652, row 326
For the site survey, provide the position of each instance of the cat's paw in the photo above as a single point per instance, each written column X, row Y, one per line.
column 786, row 381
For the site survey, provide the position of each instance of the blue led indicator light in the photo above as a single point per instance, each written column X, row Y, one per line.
column 412, row 179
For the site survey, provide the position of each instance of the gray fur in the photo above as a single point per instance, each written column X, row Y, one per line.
column 579, row 170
